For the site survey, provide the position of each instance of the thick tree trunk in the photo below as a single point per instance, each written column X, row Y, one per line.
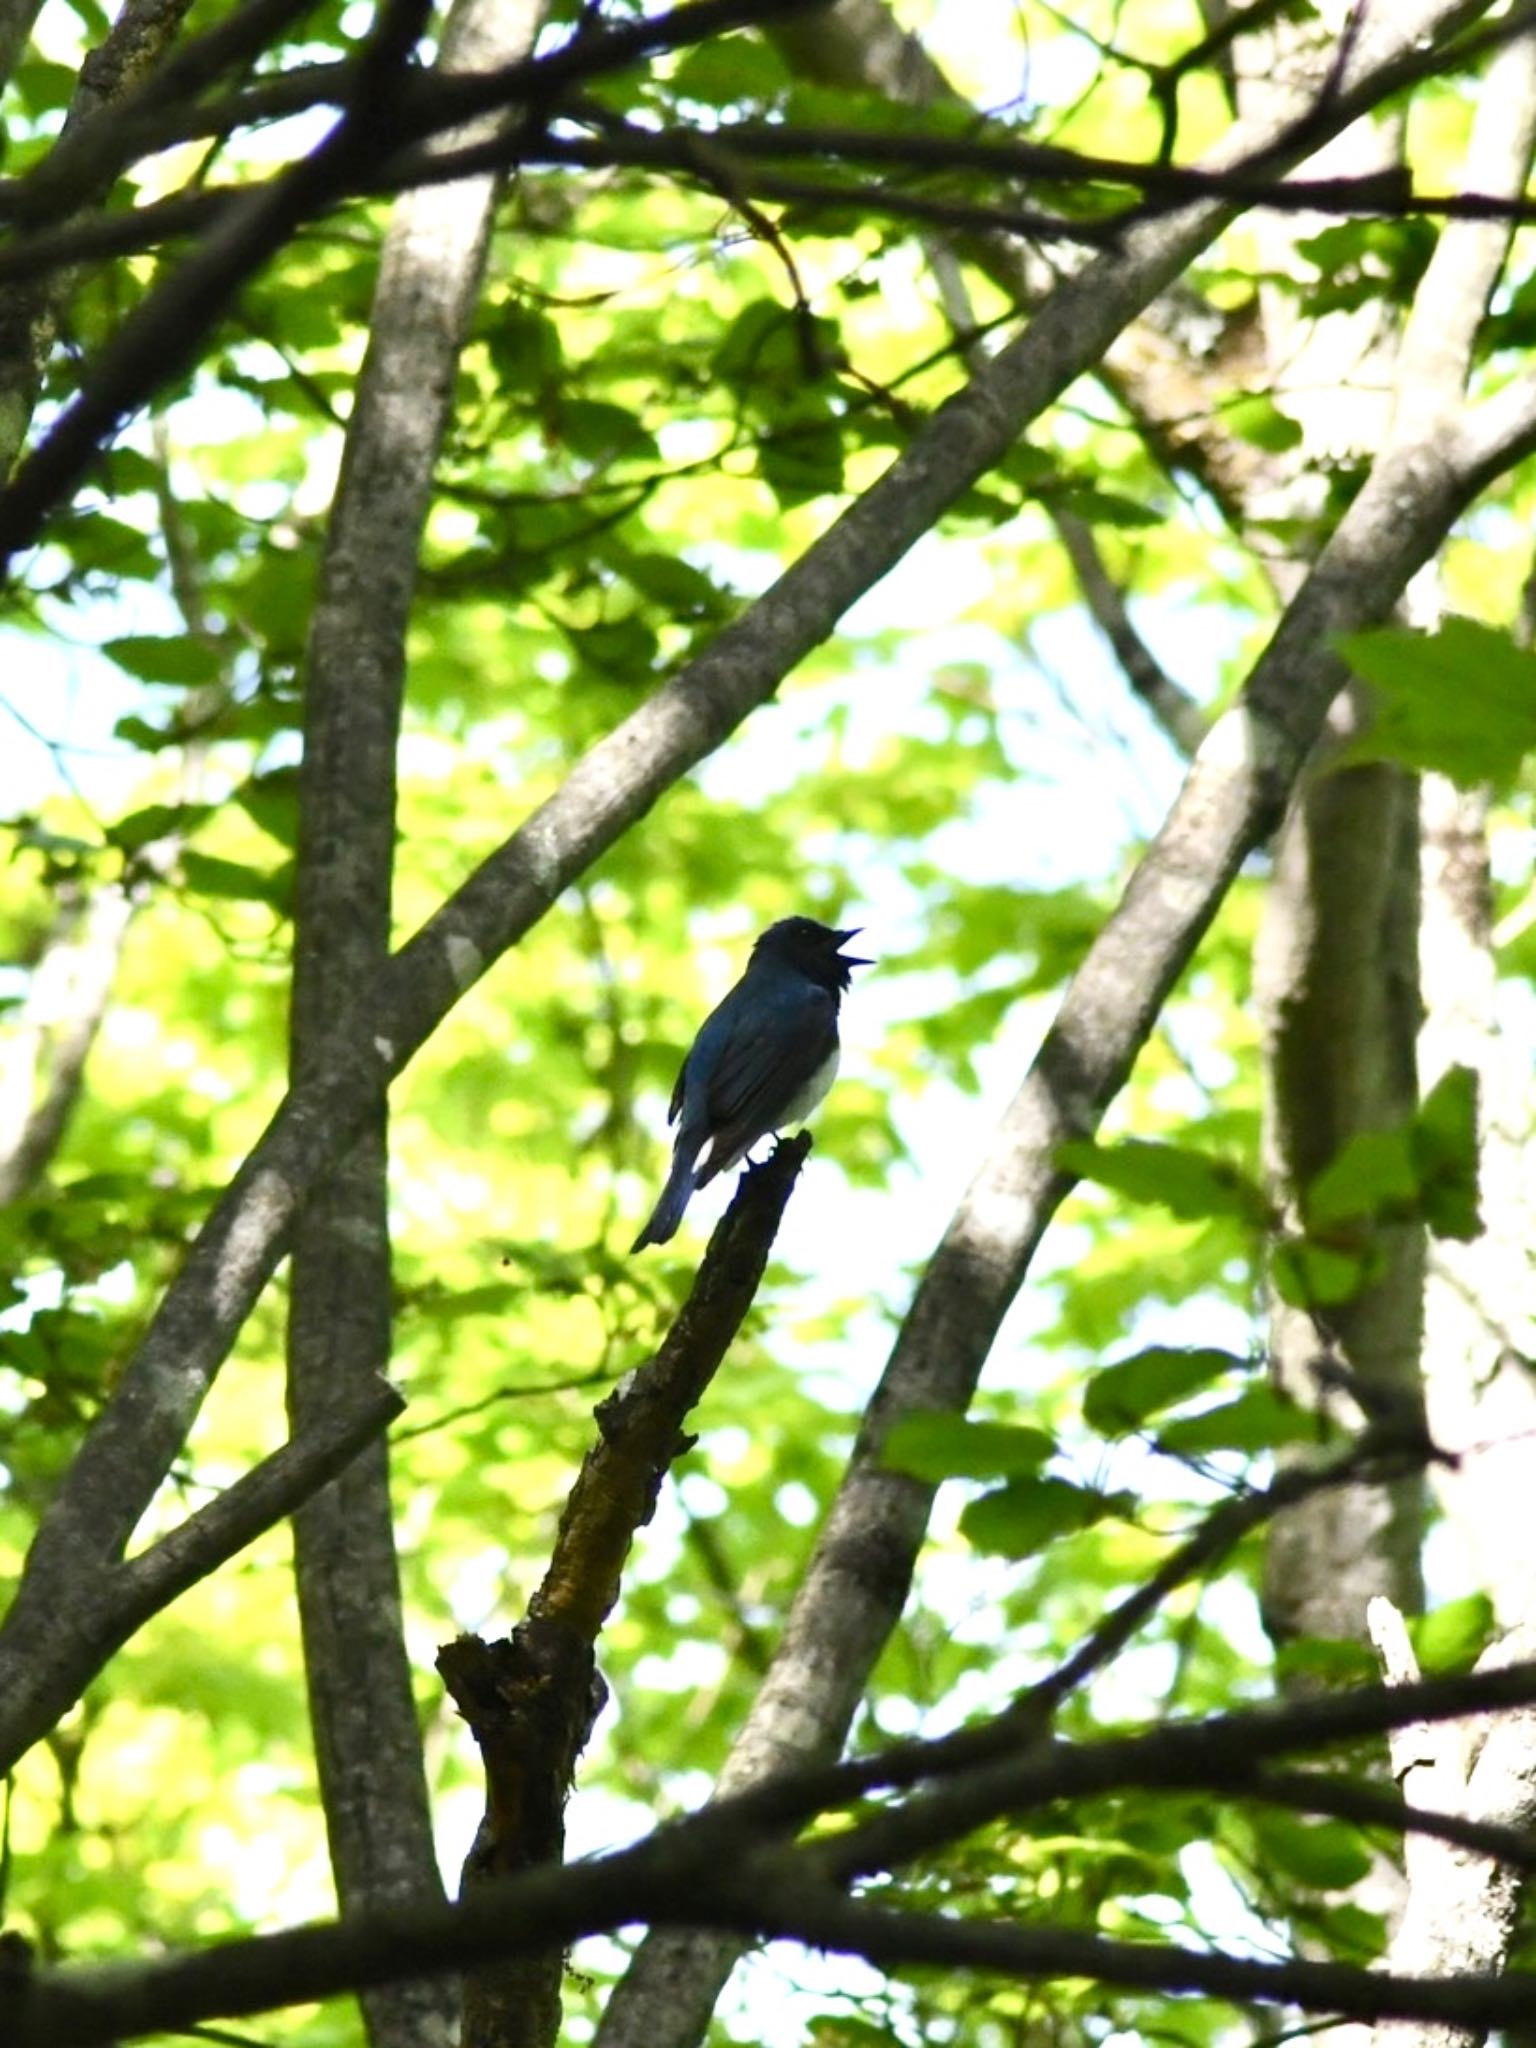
column 1338, row 982
column 362, row 1707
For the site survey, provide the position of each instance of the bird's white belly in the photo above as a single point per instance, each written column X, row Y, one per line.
column 805, row 1100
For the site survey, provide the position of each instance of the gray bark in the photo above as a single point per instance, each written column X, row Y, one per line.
column 1463, row 1908
column 1338, row 959
column 1337, row 981
column 362, row 1710
column 1336, row 968
column 1480, row 1322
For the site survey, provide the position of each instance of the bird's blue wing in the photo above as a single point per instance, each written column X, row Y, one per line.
column 753, row 1057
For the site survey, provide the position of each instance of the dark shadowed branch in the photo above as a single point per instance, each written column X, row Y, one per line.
column 430, row 108
column 531, row 1697
column 727, row 1868
column 162, row 335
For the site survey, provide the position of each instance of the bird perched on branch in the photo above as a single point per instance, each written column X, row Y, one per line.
column 761, row 1061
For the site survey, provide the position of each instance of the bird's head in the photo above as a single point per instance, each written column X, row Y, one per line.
column 815, row 949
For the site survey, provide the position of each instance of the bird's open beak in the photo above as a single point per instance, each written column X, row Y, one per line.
column 850, row 959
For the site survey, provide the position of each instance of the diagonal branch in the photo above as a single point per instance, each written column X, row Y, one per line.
column 160, row 337
column 29, row 317
column 249, row 1506
column 1174, row 709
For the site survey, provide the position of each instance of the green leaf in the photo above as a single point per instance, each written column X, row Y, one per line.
column 1192, row 1184
column 728, row 69
column 101, row 544
column 1121, row 1396
column 1372, row 1175
column 451, row 1304
column 1351, row 1932
column 129, row 470
column 205, row 874
column 1462, row 700
column 623, row 648
column 1030, row 467
column 179, row 658
column 524, row 347
column 599, row 432
column 804, row 461
column 1259, row 1420
column 1326, row 1855
column 1364, row 262
column 760, row 340
column 1426, row 1168
column 943, row 1446
column 1020, row 1519
column 1454, row 1636
column 271, row 801
column 156, row 821
column 1446, row 1154
column 1323, row 1662
column 685, row 591
column 1104, row 508
column 43, row 85
column 1256, row 418
column 1310, row 1275
column 274, row 602
column 149, row 739
column 773, row 352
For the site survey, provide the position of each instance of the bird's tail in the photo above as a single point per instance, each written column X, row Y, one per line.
column 668, row 1212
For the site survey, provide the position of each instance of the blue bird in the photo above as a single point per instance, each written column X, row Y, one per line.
column 762, row 1060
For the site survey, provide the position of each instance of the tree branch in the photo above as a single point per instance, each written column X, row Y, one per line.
column 428, row 109
column 1169, row 702
column 720, row 1869
column 142, row 1585
column 161, row 336
column 28, row 318
column 66, row 1000
column 531, row 1698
